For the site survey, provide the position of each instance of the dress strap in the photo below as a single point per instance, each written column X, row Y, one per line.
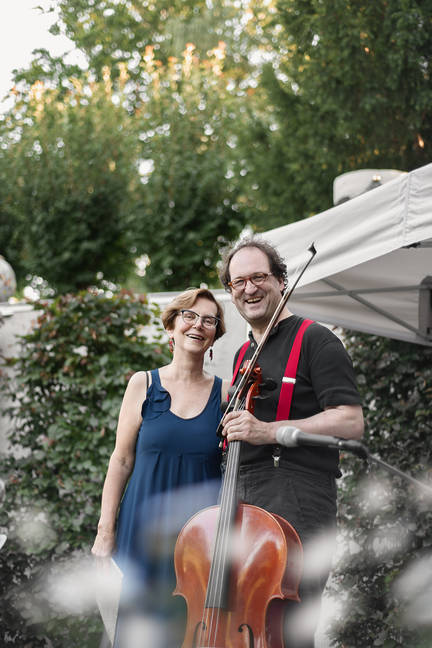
column 217, row 387
column 153, row 384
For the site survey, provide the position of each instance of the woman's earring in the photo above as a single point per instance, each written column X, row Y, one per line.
column 211, row 353
column 171, row 345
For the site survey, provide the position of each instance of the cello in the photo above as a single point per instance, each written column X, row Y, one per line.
column 236, row 563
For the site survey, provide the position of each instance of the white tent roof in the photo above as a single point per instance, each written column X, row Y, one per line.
column 373, row 253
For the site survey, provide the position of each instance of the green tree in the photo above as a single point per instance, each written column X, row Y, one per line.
column 190, row 196
column 348, row 88
column 68, row 165
column 72, row 187
column 108, row 31
column 186, row 124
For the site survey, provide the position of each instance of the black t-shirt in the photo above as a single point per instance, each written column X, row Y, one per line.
column 325, row 378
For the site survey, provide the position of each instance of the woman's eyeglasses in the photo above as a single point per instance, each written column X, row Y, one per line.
column 190, row 317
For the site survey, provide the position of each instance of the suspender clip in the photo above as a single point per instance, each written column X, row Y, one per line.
column 276, row 455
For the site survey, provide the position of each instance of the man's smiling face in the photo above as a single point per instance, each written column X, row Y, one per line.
column 255, row 303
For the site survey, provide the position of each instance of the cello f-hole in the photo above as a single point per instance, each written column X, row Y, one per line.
column 199, row 627
column 250, row 633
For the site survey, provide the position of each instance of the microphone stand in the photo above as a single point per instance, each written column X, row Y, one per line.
column 360, row 450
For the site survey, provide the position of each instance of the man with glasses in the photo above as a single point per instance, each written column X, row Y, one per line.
column 297, row 483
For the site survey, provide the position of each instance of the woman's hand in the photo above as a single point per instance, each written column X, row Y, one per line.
column 104, row 544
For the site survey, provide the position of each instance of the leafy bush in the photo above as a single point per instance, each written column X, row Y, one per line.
column 386, row 520
column 69, row 381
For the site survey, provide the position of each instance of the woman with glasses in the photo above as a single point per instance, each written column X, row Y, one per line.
column 166, row 446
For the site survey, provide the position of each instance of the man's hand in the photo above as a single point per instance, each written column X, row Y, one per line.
column 243, row 426
column 345, row 421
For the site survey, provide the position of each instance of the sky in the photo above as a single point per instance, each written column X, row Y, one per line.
column 23, row 28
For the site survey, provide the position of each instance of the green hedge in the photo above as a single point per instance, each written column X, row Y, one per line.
column 70, row 377
column 386, row 520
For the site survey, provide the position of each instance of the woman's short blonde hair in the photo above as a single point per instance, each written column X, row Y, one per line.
column 186, row 300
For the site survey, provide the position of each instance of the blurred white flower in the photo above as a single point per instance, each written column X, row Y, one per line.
column 33, row 530
column 318, row 555
column 81, row 350
column 414, row 586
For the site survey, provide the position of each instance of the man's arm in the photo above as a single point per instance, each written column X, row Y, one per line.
column 345, row 421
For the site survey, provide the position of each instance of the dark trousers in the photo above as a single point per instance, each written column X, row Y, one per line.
column 306, row 498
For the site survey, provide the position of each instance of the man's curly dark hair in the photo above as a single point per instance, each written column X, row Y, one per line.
column 277, row 265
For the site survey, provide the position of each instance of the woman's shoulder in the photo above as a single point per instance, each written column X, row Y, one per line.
column 139, row 377
column 140, row 380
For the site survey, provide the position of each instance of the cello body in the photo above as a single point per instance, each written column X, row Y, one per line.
column 265, row 565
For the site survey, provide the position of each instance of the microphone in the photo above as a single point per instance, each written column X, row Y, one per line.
column 291, row 437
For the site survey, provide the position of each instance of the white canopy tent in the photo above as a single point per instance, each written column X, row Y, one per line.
column 373, row 267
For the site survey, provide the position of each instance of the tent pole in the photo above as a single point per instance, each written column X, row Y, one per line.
column 364, row 302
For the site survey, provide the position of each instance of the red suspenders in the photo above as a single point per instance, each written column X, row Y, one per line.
column 239, row 361
column 288, row 381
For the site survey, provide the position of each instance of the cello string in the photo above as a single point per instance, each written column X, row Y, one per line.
column 222, row 547
column 224, row 544
column 229, row 507
column 228, row 492
column 217, row 571
column 219, row 576
column 215, row 586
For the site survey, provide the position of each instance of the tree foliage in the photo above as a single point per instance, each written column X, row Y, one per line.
column 384, row 518
column 69, row 170
column 179, row 118
column 110, row 31
column 348, row 88
column 190, row 196
column 72, row 185
column 309, row 90
column 70, row 377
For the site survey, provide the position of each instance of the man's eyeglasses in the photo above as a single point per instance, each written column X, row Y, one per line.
column 256, row 279
column 190, row 317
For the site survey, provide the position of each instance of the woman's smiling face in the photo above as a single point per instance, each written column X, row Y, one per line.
column 194, row 336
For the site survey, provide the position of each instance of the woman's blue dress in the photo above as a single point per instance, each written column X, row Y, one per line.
column 176, row 474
